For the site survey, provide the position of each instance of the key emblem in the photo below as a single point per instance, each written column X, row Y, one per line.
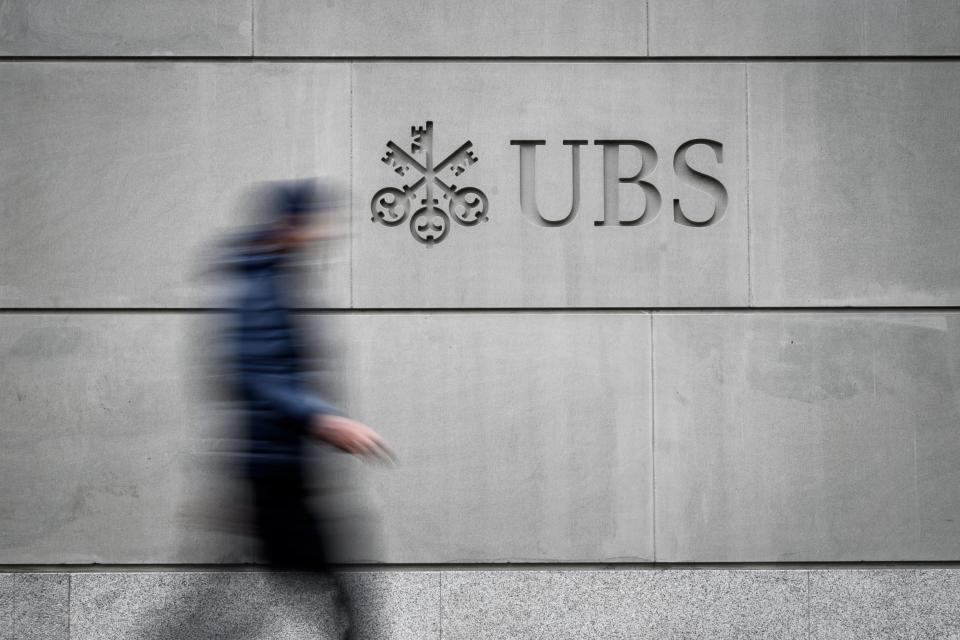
column 433, row 199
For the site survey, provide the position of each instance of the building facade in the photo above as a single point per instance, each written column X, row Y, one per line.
column 656, row 300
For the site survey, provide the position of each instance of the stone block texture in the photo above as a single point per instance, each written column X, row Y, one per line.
column 745, row 604
column 250, row 605
column 802, row 436
column 556, row 259
column 521, row 437
column 509, row 445
column 34, row 606
column 863, row 604
column 853, row 184
column 125, row 28
column 884, row 603
column 152, row 160
column 708, row 314
column 118, row 176
column 937, row 594
column 94, row 421
column 624, row 604
column 459, row 28
column 810, row 28
column 563, row 28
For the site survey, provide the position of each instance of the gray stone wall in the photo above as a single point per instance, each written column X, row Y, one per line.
column 711, row 315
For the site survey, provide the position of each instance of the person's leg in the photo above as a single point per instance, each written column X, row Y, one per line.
column 281, row 519
column 292, row 539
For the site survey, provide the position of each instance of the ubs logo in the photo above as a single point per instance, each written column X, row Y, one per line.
column 438, row 199
column 431, row 222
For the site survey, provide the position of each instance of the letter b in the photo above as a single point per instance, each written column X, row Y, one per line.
column 612, row 181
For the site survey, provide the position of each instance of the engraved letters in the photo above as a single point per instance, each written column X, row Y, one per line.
column 430, row 200
column 705, row 182
column 528, row 181
column 612, row 181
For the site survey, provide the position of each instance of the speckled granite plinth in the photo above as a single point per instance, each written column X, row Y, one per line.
column 810, row 604
column 251, row 605
column 34, row 606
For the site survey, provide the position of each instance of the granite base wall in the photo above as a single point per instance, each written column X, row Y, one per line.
column 912, row 602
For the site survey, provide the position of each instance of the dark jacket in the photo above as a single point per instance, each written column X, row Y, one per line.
column 267, row 360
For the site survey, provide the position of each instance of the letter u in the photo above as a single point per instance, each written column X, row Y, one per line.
column 528, row 181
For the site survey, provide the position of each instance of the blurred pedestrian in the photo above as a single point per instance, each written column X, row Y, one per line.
column 267, row 366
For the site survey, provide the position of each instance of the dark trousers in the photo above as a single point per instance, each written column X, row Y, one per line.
column 291, row 535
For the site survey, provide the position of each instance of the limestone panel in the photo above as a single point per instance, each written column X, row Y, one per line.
column 251, row 605
column 807, row 437
column 34, row 606
column 520, row 437
column 812, row 28
column 853, row 183
column 624, row 604
column 94, row 422
column 494, row 252
column 125, row 28
column 453, row 29
column 117, row 177
column 118, row 442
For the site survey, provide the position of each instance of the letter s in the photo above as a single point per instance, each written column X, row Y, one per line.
column 702, row 181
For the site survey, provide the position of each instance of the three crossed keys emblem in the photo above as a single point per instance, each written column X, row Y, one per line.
column 436, row 198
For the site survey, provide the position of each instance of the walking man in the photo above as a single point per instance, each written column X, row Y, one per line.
column 283, row 416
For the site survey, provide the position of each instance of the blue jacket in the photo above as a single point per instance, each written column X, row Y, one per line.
column 267, row 361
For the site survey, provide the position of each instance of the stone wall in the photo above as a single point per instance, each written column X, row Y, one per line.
column 700, row 305
column 430, row 604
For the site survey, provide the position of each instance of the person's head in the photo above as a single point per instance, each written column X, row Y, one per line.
column 303, row 211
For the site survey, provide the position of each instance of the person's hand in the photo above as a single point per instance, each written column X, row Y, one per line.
column 350, row 436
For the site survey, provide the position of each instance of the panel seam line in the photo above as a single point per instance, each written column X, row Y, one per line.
column 653, row 441
column 755, row 310
column 648, row 28
column 69, row 605
column 813, row 566
column 350, row 213
column 246, row 58
column 746, row 99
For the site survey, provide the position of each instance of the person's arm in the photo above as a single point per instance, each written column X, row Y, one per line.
column 286, row 396
column 264, row 347
column 265, row 330
column 322, row 420
column 350, row 436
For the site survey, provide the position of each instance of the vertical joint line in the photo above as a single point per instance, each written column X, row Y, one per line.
column 351, row 186
column 69, row 605
column 648, row 28
column 746, row 100
column 253, row 10
column 862, row 45
column 653, row 452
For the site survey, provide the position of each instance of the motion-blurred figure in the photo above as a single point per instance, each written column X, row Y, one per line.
column 266, row 363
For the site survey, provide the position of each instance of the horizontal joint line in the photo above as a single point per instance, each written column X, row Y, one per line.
column 492, row 59
column 487, row 310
